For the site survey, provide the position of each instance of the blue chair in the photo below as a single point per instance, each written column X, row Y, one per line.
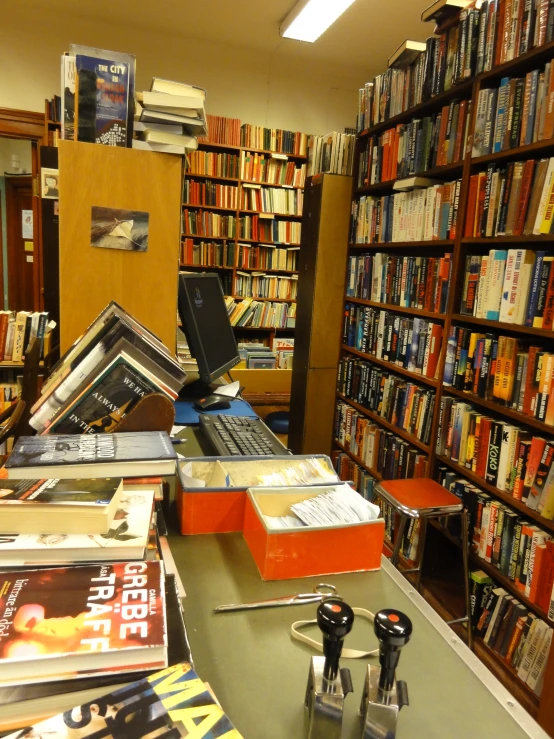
column 278, row 422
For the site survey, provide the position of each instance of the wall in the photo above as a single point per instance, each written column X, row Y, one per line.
column 259, row 88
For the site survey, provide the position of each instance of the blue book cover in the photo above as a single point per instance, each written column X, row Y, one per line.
column 532, row 107
column 497, row 265
column 351, row 271
column 534, row 294
column 103, row 100
column 450, row 356
column 503, row 92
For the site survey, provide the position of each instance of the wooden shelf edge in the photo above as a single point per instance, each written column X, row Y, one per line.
column 385, row 245
column 500, row 326
column 190, row 175
column 390, row 366
column 433, row 172
column 397, row 308
column 387, row 424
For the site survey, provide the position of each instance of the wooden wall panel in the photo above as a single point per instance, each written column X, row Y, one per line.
column 144, row 283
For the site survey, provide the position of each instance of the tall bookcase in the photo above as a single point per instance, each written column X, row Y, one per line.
column 440, row 585
column 232, row 247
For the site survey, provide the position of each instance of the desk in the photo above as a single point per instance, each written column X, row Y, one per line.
column 259, row 674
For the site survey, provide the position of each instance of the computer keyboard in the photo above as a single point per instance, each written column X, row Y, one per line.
column 240, row 436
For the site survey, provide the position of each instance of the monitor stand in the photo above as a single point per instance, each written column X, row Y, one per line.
column 197, row 389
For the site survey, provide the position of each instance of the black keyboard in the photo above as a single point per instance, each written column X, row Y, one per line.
column 238, row 435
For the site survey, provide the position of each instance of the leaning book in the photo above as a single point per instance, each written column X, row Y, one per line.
column 171, row 703
column 55, row 506
column 126, row 538
column 134, row 454
column 57, row 623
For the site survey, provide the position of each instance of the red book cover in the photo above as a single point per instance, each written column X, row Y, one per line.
column 442, row 136
column 544, row 586
column 525, row 194
column 530, row 391
column 3, row 331
column 460, row 130
column 499, row 31
column 481, row 192
column 434, row 349
column 76, row 621
column 538, row 445
column 548, row 315
column 538, row 571
column 471, row 206
column 484, row 435
column 429, row 284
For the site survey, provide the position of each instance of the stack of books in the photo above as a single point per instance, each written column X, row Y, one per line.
column 103, row 375
column 331, row 154
column 256, row 314
column 169, row 117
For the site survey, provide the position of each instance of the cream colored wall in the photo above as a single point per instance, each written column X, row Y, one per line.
column 258, row 88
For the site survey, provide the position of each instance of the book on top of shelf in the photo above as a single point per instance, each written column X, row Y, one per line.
column 69, row 456
column 76, row 622
column 59, row 506
column 407, row 52
column 441, row 9
column 184, row 105
column 125, row 539
column 170, row 87
column 175, row 699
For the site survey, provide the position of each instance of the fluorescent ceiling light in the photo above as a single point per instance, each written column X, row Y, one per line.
column 310, row 18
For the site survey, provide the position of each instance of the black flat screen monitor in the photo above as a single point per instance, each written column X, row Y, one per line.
column 206, row 325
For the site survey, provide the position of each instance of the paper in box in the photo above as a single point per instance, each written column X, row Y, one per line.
column 284, row 554
column 211, row 493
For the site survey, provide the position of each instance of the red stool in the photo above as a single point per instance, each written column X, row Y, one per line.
column 423, row 499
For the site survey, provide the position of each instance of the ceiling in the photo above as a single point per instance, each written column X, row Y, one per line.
column 362, row 38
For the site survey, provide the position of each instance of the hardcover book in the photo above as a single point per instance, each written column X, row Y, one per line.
column 68, row 456
column 103, row 96
column 81, row 621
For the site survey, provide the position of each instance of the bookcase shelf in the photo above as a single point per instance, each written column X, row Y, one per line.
column 385, row 246
column 524, row 239
column 205, row 266
column 500, row 326
column 499, row 494
column 500, row 410
column 397, row 308
column 192, row 175
column 386, row 424
column 391, row 367
column 271, row 300
column 529, row 151
column 443, row 171
column 265, row 243
column 264, row 269
column 208, row 207
column 265, row 214
column 203, row 236
column 272, row 184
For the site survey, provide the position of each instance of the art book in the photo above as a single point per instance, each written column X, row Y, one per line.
column 133, row 454
column 102, row 100
column 59, row 506
column 125, row 539
column 170, row 704
column 65, row 622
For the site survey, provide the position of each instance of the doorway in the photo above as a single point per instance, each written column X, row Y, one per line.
column 19, row 242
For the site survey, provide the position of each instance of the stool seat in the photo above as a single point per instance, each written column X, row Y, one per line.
column 419, row 498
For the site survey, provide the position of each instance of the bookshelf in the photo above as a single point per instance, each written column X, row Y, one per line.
column 238, row 176
column 440, row 584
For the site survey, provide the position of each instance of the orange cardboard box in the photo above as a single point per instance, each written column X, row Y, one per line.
column 284, row 554
column 217, row 507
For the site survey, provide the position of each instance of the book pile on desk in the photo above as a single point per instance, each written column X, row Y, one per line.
column 169, row 117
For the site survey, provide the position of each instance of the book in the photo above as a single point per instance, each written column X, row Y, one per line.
column 78, row 621
column 170, row 87
column 59, row 506
column 174, row 700
column 102, row 100
column 406, row 54
column 184, row 105
column 68, row 456
column 125, row 539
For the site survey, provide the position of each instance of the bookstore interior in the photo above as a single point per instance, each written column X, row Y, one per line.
column 259, row 353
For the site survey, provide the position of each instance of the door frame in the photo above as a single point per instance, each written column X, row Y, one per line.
column 13, row 185
column 30, row 125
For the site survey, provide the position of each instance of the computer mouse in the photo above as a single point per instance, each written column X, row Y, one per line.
column 212, row 403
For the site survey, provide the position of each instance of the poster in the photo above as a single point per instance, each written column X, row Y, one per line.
column 27, row 224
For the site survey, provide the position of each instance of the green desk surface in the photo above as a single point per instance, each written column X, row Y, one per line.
column 259, row 673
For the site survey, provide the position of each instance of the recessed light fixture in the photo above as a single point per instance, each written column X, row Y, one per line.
column 310, row 18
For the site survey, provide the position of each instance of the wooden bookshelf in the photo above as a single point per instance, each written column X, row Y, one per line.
column 238, row 212
column 443, row 591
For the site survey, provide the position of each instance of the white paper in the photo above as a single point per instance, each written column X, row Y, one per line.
column 176, row 429
column 188, row 480
column 230, row 391
column 27, row 224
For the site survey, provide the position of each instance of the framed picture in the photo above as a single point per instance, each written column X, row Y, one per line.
column 113, row 228
column 49, row 183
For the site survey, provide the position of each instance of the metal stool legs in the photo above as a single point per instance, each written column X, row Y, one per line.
column 465, row 557
column 398, row 542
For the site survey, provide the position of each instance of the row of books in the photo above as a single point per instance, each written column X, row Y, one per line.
column 331, row 154
column 511, row 200
column 89, row 393
column 503, row 454
column 208, row 253
column 214, row 164
column 410, row 282
column 222, row 130
column 273, row 139
column 411, row 343
column 256, row 167
column 260, row 285
column 500, row 369
column 205, row 223
column 18, row 330
column 514, row 286
column 252, row 313
column 500, row 536
column 272, row 200
column 9, row 393
column 210, row 193
column 426, row 214
column 270, row 230
column 515, row 114
column 398, row 401
column 512, row 632
column 267, row 257
column 350, row 471
column 376, row 448
column 415, row 147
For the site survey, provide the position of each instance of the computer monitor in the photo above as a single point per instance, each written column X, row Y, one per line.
column 206, row 325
